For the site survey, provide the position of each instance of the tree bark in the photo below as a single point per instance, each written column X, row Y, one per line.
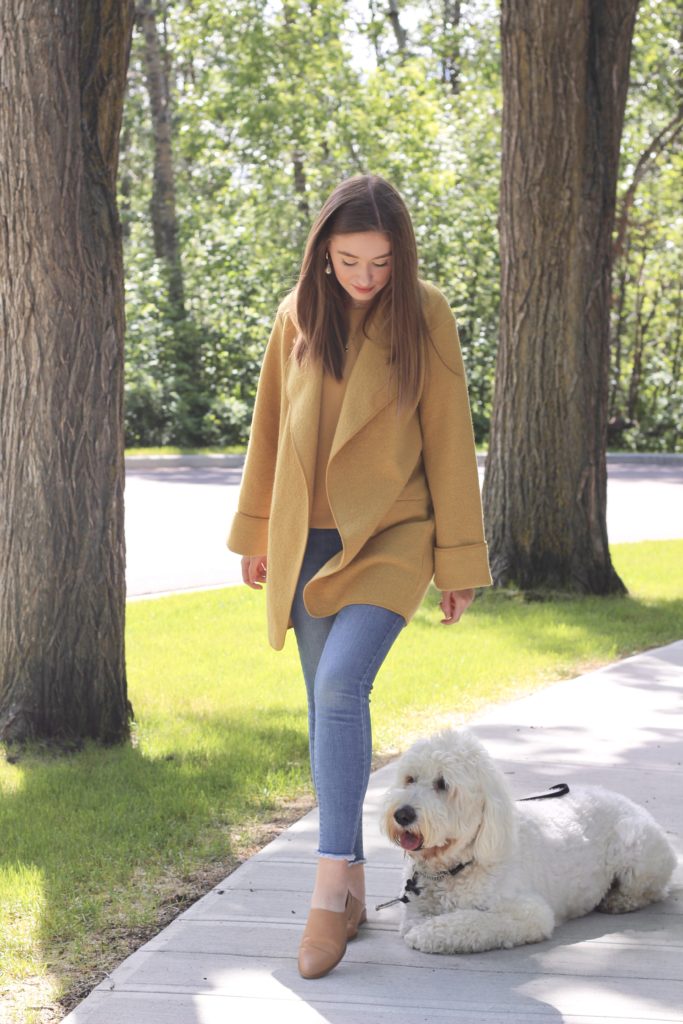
column 565, row 78
column 62, row 556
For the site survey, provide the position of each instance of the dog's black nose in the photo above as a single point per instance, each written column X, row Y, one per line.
column 405, row 815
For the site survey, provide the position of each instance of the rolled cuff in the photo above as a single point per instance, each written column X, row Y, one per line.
column 462, row 567
column 248, row 535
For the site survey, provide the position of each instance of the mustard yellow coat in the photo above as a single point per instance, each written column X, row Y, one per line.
column 402, row 483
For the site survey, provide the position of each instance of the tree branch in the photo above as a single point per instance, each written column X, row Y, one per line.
column 399, row 31
column 666, row 137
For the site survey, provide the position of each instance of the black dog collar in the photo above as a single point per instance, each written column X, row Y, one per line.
column 412, row 888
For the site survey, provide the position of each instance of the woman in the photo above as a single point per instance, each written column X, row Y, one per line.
column 360, row 485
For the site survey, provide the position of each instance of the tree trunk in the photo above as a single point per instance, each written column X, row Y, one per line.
column 62, row 556
column 163, row 205
column 182, row 352
column 300, row 183
column 395, row 18
column 450, row 61
column 565, row 78
column 616, row 422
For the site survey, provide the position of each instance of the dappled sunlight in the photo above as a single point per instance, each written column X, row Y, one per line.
column 26, row 982
column 275, row 1001
column 11, row 777
column 120, row 838
column 574, row 708
column 625, row 996
column 22, row 898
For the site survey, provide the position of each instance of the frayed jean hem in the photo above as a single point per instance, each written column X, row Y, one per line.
column 350, row 857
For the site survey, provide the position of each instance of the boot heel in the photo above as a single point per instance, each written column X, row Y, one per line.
column 356, row 915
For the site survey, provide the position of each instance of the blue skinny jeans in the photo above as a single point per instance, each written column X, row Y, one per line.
column 340, row 657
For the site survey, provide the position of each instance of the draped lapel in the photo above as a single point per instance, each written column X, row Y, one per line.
column 303, row 386
column 369, row 390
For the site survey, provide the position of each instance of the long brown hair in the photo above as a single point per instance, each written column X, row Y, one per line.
column 365, row 202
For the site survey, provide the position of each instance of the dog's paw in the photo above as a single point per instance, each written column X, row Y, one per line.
column 423, row 937
column 464, row 931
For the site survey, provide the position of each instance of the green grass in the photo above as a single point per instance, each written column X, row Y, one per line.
column 99, row 848
column 234, row 449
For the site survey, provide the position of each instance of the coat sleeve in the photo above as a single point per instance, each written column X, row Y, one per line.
column 460, row 553
column 249, row 531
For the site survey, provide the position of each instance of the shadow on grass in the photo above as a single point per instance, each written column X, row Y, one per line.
column 116, row 843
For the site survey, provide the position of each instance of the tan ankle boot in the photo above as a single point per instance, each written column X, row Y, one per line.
column 323, row 943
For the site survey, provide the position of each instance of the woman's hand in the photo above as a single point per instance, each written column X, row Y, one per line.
column 254, row 571
column 453, row 603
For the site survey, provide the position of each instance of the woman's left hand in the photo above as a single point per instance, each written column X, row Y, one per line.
column 453, row 603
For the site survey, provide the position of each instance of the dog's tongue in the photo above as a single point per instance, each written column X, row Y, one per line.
column 409, row 841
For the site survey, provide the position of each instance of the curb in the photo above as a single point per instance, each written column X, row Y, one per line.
column 168, row 461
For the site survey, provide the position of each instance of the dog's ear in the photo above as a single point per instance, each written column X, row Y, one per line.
column 496, row 834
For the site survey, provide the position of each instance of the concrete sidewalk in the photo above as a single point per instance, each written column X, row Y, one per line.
column 232, row 956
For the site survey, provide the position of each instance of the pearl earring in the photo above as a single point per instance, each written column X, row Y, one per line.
column 328, row 265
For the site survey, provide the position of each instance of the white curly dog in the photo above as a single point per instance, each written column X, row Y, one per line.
column 487, row 873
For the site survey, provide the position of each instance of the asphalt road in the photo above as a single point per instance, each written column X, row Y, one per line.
column 178, row 511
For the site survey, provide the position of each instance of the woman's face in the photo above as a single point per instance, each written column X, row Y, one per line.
column 361, row 263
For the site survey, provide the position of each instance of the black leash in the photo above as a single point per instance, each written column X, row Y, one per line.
column 411, row 886
column 561, row 789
